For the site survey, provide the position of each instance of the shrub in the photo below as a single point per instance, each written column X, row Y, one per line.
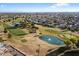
column 1, row 39
column 9, row 35
column 23, row 40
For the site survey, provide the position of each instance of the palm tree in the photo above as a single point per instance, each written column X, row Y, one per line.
column 68, row 43
column 71, row 43
column 74, row 41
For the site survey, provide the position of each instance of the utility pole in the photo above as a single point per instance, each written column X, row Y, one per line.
column 38, row 50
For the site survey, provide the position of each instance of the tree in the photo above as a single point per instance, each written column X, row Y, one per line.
column 1, row 39
column 71, row 43
column 68, row 43
column 74, row 41
column 9, row 35
column 5, row 30
column 23, row 24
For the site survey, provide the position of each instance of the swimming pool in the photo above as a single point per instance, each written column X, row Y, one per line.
column 52, row 40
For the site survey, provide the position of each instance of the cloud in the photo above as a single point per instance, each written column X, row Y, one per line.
column 59, row 5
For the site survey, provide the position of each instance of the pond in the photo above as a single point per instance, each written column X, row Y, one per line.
column 52, row 39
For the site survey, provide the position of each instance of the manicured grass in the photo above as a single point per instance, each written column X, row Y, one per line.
column 18, row 20
column 57, row 32
column 6, row 26
column 53, row 31
column 14, row 31
column 17, row 32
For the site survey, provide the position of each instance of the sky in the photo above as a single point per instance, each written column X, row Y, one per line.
column 39, row 7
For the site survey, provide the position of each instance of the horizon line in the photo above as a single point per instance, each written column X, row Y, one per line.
column 35, row 12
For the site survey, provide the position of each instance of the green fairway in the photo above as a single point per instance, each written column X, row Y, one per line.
column 18, row 20
column 53, row 31
column 14, row 31
column 17, row 32
column 6, row 25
